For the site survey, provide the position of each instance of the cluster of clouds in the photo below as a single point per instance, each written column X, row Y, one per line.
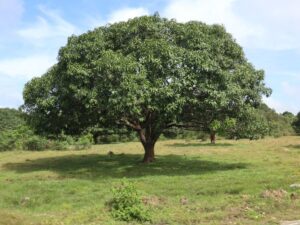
column 269, row 25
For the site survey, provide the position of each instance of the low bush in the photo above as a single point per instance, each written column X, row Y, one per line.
column 14, row 139
column 35, row 143
column 127, row 204
column 10, row 119
column 84, row 142
column 203, row 136
column 58, row 145
column 23, row 138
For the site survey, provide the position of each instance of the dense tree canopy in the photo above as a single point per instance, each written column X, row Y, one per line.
column 10, row 119
column 296, row 123
column 148, row 74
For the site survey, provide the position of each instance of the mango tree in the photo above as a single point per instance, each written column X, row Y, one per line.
column 148, row 74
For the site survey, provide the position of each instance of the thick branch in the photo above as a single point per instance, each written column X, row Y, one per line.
column 133, row 125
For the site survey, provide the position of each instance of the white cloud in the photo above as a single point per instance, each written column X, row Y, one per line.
column 10, row 13
column 94, row 21
column 290, row 89
column 49, row 24
column 27, row 67
column 287, row 74
column 51, row 29
column 279, row 19
column 42, row 40
column 275, row 104
column 280, row 106
column 268, row 24
column 118, row 15
column 126, row 13
column 212, row 12
column 13, row 98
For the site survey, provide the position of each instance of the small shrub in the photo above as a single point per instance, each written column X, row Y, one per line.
column 113, row 138
column 66, row 139
column 202, row 136
column 35, row 143
column 8, row 142
column 24, row 138
column 84, row 142
column 127, row 204
column 132, row 136
column 14, row 139
column 188, row 135
column 58, row 145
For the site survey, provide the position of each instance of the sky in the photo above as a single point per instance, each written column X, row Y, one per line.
column 32, row 32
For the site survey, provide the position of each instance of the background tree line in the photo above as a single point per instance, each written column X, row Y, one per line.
column 16, row 134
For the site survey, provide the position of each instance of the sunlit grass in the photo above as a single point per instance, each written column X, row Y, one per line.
column 221, row 184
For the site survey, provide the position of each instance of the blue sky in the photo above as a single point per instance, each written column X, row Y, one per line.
column 32, row 32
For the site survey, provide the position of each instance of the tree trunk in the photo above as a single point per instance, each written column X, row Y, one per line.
column 148, row 140
column 149, row 152
column 212, row 137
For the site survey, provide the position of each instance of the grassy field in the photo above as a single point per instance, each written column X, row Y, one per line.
column 192, row 182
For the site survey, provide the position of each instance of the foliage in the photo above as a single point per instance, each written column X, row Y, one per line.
column 10, row 119
column 23, row 138
column 253, row 126
column 127, row 204
column 296, row 124
column 279, row 124
column 215, row 125
column 250, row 124
column 172, row 133
column 181, row 133
column 258, row 123
column 290, row 117
column 35, row 143
column 203, row 136
column 112, row 135
column 84, row 141
column 14, row 138
column 148, row 74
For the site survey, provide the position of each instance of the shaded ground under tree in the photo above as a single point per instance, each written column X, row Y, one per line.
column 200, row 145
column 116, row 166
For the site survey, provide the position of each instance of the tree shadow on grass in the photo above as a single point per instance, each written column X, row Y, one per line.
column 95, row 166
column 297, row 147
column 200, row 145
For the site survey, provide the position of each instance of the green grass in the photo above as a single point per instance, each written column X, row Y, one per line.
column 223, row 183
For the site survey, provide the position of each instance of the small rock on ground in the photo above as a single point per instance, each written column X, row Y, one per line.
column 184, row 201
column 295, row 186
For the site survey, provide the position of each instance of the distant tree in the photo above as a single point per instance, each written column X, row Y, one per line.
column 296, row 124
column 214, row 127
column 10, row 119
column 148, row 74
column 279, row 125
column 288, row 114
column 251, row 124
column 289, row 117
column 259, row 122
